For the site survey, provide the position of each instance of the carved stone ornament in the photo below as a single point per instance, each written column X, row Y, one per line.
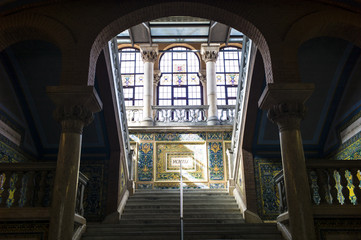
column 156, row 78
column 73, row 118
column 210, row 55
column 203, row 77
column 149, row 55
column 287, row 116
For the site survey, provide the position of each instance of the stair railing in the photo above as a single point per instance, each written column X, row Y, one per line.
column 181, row 202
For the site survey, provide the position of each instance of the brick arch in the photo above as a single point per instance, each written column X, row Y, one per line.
column 30, row 26
column 331, row 23
column 172, row 8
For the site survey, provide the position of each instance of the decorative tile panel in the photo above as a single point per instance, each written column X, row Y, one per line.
column 192, row 156
column 267, row 192
column 144, row 186
column 227, row 136
column 350, row 150
column 146, row 136
column 94, row 190
column 191, row 137
column 214, row 136
column 216, row 166
column 145, row 162
column 9, row 153
column 217, row 185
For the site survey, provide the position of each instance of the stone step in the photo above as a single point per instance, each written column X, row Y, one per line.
column 185, row 210
column 200, row 206
column 114, row 228
column 160, row 235
column 176, row 220
column 199, row 215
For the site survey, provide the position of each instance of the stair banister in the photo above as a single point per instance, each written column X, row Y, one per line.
column 181, row 201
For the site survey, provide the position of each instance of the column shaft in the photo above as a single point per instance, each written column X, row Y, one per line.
column 65, row 187
column 148, row 91
column 209, row 54
column 212, row 91
column 296, row 186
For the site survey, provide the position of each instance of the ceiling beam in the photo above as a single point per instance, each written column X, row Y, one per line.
column 228, row 35
column 131, row 36
column 211, row 26
column 146, row 25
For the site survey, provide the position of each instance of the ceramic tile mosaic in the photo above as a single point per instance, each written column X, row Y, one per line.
column 350, row 150
column 217, row 185
column 146, row 136
column 174, row 185
column 214, row 136
column 267, row 192
column 9, row 153
column 134, row 137
column 94, row 190
column 145, row 162
column 216, row 166
column 169, row 156
column 191, row 137
column 227, row 136
column 144, row 186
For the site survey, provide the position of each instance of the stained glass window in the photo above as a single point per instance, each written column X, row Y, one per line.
column 227, row 75
column 179, row 83
column 132, row 75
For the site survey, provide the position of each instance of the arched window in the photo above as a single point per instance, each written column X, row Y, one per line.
column 132, row 75
column 179, row 83
column 227, row 75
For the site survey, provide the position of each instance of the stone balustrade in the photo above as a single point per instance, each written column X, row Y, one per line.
column 30, row 185
column 334, row 185
column 180, row 115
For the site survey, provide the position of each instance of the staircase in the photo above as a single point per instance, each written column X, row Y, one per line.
column 207, row 215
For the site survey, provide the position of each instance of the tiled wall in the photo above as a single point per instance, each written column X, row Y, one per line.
column 203, row 154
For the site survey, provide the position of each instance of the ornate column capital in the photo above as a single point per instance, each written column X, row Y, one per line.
column 75, row 106
column 203, row 77
column 210, row 52
column 156, row 78
column 149, row 53
column 287, row 116
column 285, row 103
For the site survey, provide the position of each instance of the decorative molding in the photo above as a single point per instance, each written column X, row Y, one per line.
column 149, row 53
column 209, row 52
column 287, row 116
column 73, row 118
column 156, row 78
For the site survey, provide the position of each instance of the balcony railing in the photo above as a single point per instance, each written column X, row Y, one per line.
column 334, row 185
column 26, row 193
column 180, row 115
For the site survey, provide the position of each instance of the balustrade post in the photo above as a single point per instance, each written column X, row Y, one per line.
column 285, row 105
column 75, row 108
column 210, row 55
column 149, row 55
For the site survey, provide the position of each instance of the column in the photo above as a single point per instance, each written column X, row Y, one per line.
column 75, row 108
column 285, row 105
column 149, row 55
column 209, row 55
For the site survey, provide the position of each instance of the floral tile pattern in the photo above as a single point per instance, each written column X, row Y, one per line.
column 145, row 163
column 216, row 166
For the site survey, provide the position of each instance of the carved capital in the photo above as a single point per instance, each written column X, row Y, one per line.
column 287, row 116
column 203, row 77
column 157, row 76
column 210, row 52
column 149, row 53
column 73, row 118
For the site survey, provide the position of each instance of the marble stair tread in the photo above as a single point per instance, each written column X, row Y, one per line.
column 208, row 214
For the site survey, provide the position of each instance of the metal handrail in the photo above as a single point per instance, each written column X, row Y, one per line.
column 181, row 202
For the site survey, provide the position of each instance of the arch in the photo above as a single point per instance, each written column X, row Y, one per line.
column 330, row 23
column 172, row 8
column 31, row 26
